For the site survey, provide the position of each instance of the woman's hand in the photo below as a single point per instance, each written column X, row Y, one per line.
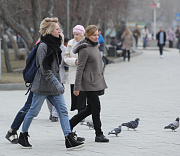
column 76, row 62
column 76, row 92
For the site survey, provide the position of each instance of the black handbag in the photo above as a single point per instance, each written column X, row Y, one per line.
column 101, row 92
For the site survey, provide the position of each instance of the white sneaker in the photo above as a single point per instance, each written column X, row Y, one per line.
column 161, row 56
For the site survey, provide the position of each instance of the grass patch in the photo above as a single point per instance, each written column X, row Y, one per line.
column 13, row 77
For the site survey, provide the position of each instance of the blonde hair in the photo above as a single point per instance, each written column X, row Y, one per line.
column 90, row 30
column 48, row 25
column 129, row 32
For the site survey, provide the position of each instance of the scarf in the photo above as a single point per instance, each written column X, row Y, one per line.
column 53, row 50
column 91, row 42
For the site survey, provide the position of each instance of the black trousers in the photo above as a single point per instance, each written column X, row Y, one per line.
column 161, row 49
column 124, row 54
column 77, row 102
column 93, row 107
column 170, row 44
column 136, row 40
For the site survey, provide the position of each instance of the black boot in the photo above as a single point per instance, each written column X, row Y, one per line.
column 12, row 137
column 101, row 138
column 72, row 143
column 79, row 139
column 23, row 140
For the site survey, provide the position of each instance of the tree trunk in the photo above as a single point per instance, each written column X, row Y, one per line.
column 50, row 8
column 8, row 19
column 36, row 14
column 6, row 55
column 14, row 44
column 90, row 12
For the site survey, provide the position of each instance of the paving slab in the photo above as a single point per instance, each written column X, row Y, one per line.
column 147, row 87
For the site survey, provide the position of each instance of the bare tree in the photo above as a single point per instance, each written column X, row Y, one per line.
column 14, row 44
column 6, row 55
column 50, row 8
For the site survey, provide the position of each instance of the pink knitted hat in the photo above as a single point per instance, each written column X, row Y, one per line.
column 79, row 29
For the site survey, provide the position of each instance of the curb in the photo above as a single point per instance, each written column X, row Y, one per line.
column 13, row 86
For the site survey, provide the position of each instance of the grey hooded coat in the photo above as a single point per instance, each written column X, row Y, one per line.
column 89, row 74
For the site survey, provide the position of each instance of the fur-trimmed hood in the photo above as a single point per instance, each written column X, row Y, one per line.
column 81, row 44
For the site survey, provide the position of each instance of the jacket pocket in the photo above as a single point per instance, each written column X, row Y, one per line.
column 92, row 77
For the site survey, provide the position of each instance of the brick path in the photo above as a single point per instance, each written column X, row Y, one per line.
column 147, row 87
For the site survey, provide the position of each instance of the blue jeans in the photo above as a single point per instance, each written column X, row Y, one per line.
column 144, row 42
column 59, row 103
column 22, row 113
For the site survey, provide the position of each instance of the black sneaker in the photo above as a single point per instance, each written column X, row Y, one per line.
column 101, row 138
column 79, row 139
column 23, row 140
column 72, row 143
column 54, row 119
column 50, row 117
column 12, row 137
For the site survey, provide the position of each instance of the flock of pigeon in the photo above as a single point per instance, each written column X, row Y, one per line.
column 133, row 125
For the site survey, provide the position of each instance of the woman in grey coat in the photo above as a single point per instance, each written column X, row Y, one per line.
column 127, row 43
column 47, row 84
column 90, row 79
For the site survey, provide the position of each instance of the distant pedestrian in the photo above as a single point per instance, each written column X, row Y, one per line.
column 53, row 112
column 90, row 79
column 114, row 42
column 127, row 43
column 177, row 35
column 66, row 40
column 171, row 37
column 161, row 40
column 177, row 31
column 136, row 34
column 144, row 34
column 100, row 41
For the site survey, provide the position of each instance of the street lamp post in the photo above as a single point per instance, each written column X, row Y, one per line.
column 154, row 24
column 155, row 4
column 67, row 18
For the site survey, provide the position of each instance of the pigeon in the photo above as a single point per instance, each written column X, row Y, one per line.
column 173, row 125
column 90, row 124
column 132, row 124
column 116, row 131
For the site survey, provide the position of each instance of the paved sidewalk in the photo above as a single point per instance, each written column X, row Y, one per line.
column 146, row 87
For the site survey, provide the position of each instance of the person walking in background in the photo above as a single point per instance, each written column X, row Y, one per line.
column 144, row 34
column 100, row 41
column 116, row 43
column 178, row 37
column 53, row 112
column 47, row 83
column 171, row 37
column 136, row 34
column 71, row 59
column 90, row 79
column 127, row 43
column 12, row 133
column 161, row 41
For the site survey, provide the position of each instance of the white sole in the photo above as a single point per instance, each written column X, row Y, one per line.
column 72, row 148
column 24, row 147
